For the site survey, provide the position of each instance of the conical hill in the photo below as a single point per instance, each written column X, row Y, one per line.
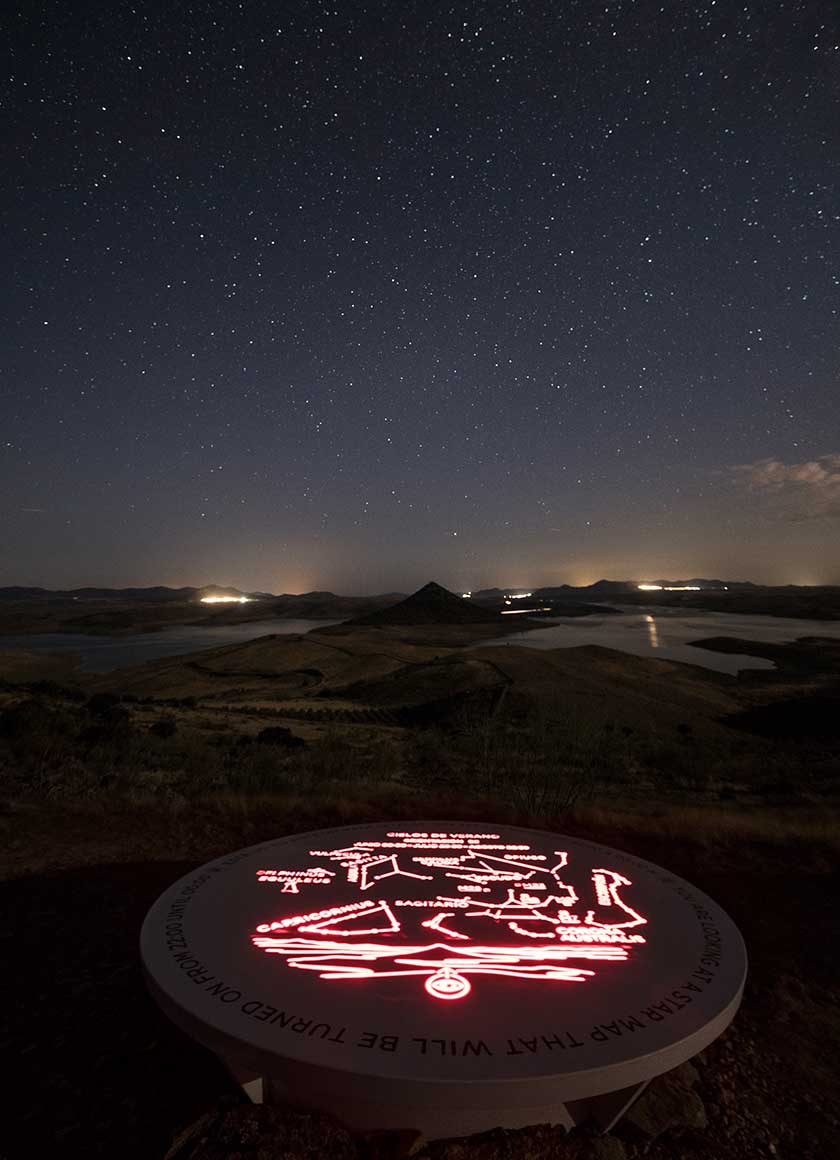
column 431, row 604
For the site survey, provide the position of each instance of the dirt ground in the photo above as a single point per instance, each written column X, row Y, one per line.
column 96, row 1071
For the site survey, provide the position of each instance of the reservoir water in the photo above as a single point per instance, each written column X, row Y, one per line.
column 665, row 634
column 101, row 654
column 652, row 632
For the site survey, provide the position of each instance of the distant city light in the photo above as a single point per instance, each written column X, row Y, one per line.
column 466, row 595
column 523, row 611
column 225, row 599
column 517, row 595
column 669, row 587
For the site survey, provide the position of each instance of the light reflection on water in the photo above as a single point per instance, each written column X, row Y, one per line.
column 667, row 634
column 653, row 633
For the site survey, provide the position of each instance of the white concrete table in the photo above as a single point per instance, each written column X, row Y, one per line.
column 445, row 976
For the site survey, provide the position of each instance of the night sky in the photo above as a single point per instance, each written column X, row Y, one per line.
column 351, row 296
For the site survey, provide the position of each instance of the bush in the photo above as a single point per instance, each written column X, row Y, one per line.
column 36, row 745
column 542, row 761
column 47, row 688
column 112, row 725
column 164, row 727
column 27, row 719
column 330, row 758
column 257, row 769
column 101, row 703
column 279, row 735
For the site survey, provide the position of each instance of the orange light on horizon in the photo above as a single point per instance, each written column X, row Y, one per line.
column 669, row 588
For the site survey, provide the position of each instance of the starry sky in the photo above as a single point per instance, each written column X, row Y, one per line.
column 351, row 295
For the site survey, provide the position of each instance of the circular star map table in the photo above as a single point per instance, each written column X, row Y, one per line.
column 445, row 976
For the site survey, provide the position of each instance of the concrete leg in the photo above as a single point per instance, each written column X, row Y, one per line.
column 253, row 1089
column 606, row 1110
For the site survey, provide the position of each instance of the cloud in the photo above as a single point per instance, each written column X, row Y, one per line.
column 797, row 491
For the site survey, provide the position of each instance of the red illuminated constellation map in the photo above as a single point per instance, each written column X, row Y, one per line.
column 446, row 906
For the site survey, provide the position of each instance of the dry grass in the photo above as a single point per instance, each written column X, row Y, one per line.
column 608, row 746
column 715, row 825
column 40, row 836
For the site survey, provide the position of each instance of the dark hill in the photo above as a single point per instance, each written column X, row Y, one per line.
column 156, row 595
column 431, row 604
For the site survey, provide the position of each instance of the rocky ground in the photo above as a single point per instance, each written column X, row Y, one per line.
column 689, row 1112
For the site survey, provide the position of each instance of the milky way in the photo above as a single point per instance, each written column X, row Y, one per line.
column 348, row 296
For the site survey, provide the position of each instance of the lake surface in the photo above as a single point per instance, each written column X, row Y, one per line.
column 664, row 634
column 653, row 632
column 101, row 654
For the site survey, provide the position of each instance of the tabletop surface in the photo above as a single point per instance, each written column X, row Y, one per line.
column 446, row 951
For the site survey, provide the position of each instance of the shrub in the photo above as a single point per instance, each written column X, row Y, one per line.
column 27, row 719
column 47, row 688
column 37, row 744
column 164, row 727
column 101, row 703
column 330, row 758
column 279, row 735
